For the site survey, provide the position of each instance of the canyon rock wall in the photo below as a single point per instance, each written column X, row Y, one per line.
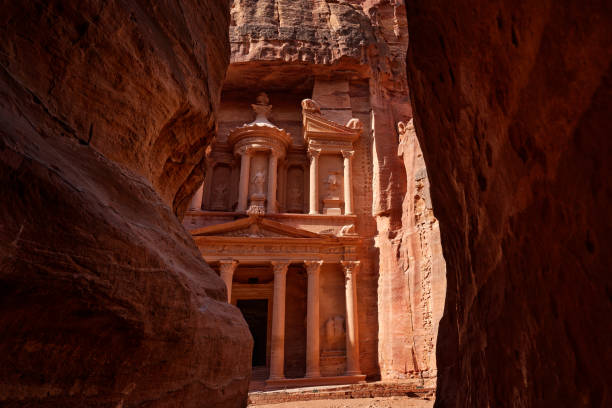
column 350, row 56
column 106, row 111
column 512, row 109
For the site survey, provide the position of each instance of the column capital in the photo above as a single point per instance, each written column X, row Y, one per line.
column 228, row 264
column 314, row 153
column 347, row 154
column 276, row 153
column 245, row 151
column 350, row 268
column 312, row 266
column 280, row 267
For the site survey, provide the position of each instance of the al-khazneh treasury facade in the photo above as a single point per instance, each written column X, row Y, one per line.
column 275, row 216
column 311, row 201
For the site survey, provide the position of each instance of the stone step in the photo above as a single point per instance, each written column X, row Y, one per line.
column 362, row 390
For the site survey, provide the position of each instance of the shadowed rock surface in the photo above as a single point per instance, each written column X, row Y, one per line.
column 512, row 109
column 106, row 110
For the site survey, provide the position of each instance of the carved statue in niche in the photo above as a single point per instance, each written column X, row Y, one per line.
column 333, row 187
column 334, row 333
column 258, row 181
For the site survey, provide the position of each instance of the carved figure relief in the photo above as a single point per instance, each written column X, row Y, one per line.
column 334, row 333
column 219, row 194
column 354, row 123
column 295, row 189
column 333, row 187
column 311, row 106
column 258, row 181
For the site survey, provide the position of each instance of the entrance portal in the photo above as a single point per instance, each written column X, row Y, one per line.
column 255, row 312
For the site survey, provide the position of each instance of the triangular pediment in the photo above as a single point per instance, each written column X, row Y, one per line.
column 254, row 227
column 319, row 127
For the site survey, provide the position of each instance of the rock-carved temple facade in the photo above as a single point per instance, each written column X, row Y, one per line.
column 275, row 217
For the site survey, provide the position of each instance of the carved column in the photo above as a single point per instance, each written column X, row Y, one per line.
column 243, row 191
column 277, row 347
column 348, row 181
column 196, row 201
column 352, row 333
column 272, row 164
column 314, row 180
column 226, row 271
column 312, row 319
column 210, row 168
column 282, row 187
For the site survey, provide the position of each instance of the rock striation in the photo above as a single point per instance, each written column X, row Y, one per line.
column 512, row 109
column 106, row 111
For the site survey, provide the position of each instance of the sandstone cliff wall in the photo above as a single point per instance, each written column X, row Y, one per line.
column 512, row 109
column 350, row 55
column 106, row 109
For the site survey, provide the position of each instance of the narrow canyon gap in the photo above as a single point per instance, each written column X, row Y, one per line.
column 512, row 108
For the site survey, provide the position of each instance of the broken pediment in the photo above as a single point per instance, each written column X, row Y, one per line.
column 318, row 128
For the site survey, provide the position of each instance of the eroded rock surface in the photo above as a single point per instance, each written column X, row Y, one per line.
column 512, row 108
column 105, row 113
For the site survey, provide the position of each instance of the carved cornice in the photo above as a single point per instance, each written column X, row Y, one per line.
column 321, row 129
column 260, row 136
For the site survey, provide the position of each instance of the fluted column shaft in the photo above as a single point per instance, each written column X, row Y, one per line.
column 348, row 181
column 352, row 332
column 243, row 189
column 277, row 347
column 226, row 271
column 272, row 165
column 314, row 181
column 312, row 319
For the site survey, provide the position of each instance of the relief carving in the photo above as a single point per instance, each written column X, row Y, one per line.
column 311, row 106
column 335, row 333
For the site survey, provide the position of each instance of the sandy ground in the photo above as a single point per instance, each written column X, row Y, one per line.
column 389, row 402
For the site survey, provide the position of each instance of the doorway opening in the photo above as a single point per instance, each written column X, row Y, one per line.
column 255, row 312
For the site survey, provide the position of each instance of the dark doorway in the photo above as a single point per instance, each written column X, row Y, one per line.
column 255, row 312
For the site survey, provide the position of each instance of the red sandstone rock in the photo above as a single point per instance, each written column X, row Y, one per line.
column 105, row 113
column 512, row 109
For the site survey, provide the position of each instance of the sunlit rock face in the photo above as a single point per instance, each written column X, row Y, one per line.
column 512, row 110
column 106, row 111
column 349, row 57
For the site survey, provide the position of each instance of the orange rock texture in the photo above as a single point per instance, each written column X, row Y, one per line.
column 512, row 109
column 349, row 56
column 106, row 111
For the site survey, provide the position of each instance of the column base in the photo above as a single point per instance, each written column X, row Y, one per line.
column 313, row 375
column 352, row 373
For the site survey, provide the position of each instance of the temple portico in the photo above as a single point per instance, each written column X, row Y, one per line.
column 277, row 222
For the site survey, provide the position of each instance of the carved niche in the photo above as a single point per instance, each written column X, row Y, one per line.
column 335, row 333
column 220, row 188
column 295, row 189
